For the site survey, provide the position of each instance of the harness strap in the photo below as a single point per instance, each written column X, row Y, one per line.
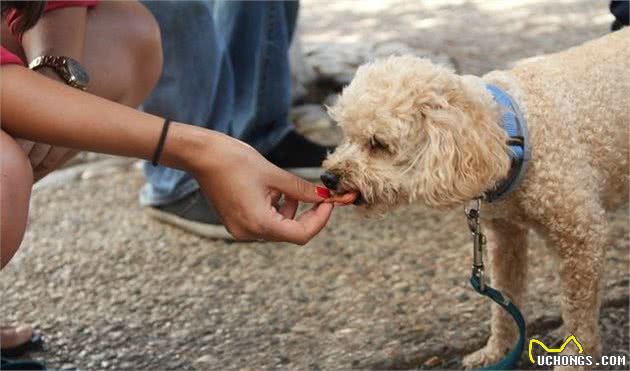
column 509, row 361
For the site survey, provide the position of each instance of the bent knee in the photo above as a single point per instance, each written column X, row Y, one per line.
column 146, row 49
column 16, row 181
column 139, row 55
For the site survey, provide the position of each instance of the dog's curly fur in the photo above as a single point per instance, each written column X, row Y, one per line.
column 415, row 131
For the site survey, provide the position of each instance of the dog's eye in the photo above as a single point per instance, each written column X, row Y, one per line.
column 377, row 145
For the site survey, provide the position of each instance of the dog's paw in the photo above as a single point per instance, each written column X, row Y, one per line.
column 483, row 357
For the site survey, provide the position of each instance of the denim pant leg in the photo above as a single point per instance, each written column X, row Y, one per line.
column 226, row 68
column 257, row 35
column 196, row 86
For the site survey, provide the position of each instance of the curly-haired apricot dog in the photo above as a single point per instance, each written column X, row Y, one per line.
column 417, row 132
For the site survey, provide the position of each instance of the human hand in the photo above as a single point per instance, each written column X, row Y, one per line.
column 45, row 158
column 255, row 198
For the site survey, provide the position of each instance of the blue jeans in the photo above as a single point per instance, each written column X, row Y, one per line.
column 226, row 68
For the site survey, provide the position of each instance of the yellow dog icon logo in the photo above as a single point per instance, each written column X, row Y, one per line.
column 554, row 350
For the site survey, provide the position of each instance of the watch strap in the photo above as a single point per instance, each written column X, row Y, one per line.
column 47, row 61
column 58, row 64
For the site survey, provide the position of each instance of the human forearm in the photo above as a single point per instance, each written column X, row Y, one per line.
column 38, row 109
column 58, row 33
column 244, row 188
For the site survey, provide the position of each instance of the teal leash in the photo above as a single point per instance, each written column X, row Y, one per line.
column 477, row 280
column 509, row 361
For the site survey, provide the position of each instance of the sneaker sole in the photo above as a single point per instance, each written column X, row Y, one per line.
column 199, row 229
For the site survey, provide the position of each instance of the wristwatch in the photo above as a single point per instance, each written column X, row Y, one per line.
column 67, row 68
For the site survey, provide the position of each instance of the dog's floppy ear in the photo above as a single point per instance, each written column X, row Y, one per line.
column 462, row 154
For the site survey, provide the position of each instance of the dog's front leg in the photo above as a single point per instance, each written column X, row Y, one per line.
column 507, row 243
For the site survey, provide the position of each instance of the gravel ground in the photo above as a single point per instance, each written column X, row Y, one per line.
column 113, row 289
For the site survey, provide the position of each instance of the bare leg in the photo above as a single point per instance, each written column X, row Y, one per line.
column 16, row 180
column 122, row 53
column 508, row 258
column 123, row 56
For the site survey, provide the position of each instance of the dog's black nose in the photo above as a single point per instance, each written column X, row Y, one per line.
column 330, row 180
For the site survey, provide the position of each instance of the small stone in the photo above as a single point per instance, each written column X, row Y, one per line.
column 180, row 334
column 98, row 356
column 402, row 286
column 433, row 361
column 282, row 360
column 134, row 325
column 98, row 171
column 344, row 331
column 462, row 297
column 301, row 329
column 205, row 362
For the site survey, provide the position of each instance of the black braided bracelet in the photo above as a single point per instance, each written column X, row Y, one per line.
column 160, row 146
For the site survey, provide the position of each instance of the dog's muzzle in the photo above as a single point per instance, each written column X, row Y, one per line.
column 330, row 180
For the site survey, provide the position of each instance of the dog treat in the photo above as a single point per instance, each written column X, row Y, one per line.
column 323, row 192
column 344, row 198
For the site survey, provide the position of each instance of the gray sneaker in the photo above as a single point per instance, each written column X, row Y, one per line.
column 194, row 214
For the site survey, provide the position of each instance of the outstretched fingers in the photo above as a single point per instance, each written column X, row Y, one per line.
column 292, row 186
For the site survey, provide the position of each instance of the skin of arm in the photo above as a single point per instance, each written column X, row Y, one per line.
column 57, row 114
column 61, row 33
column 241, row 184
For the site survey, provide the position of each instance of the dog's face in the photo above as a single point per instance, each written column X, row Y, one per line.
column 413, row 131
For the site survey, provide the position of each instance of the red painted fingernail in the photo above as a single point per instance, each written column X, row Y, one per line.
column 323, row 192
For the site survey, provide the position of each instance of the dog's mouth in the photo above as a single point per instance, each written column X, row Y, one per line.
column 348, row 197
column 359, row 200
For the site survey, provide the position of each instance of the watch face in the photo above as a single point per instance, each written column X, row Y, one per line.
column 78, row 74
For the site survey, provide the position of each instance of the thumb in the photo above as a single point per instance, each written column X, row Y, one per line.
column 297, row 188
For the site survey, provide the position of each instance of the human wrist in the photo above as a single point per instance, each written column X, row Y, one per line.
column 186, row 146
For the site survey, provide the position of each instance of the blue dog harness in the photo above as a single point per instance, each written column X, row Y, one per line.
column 514, row 124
